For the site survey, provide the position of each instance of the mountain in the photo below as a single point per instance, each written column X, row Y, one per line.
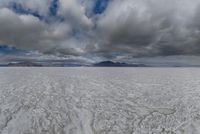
column 116, row 64
column 61, row 64
column 24, row 64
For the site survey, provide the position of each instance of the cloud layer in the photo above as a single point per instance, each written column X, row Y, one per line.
column 107, row 29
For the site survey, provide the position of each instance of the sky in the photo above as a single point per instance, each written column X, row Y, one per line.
column 162, row 32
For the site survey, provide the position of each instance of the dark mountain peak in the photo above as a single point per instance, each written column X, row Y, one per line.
column 117, row 64
column 106, row 63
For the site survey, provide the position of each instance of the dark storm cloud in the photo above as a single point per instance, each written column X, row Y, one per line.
column 108, row 28
column 150, row 28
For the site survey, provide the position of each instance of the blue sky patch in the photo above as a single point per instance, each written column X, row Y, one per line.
column 18, row 8
column 52, row 16
column 53, row 9
column 4, row 49
column 100, row 6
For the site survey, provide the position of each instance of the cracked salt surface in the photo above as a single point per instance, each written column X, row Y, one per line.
column 99, row 101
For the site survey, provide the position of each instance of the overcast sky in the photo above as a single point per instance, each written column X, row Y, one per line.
column 94, row 30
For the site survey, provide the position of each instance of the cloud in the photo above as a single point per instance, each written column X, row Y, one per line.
column 41, row 6
column 25, row 30
column 150, row 28
column 108, row 29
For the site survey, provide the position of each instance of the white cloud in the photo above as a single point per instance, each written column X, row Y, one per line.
column 28, row 31
column 74, row 11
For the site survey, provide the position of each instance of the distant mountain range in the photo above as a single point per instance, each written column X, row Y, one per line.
column 39, row 64
column 116, row 64
column 65, row 64
column 24, row 64
column 73, row 64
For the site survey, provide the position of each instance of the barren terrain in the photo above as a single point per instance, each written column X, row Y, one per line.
column 99, row 100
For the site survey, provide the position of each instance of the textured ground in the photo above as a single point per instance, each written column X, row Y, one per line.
column 99, row 101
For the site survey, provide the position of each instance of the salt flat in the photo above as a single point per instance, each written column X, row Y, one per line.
column 99, row 100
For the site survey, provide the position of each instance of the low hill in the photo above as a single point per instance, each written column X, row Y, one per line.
column 116, row 64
